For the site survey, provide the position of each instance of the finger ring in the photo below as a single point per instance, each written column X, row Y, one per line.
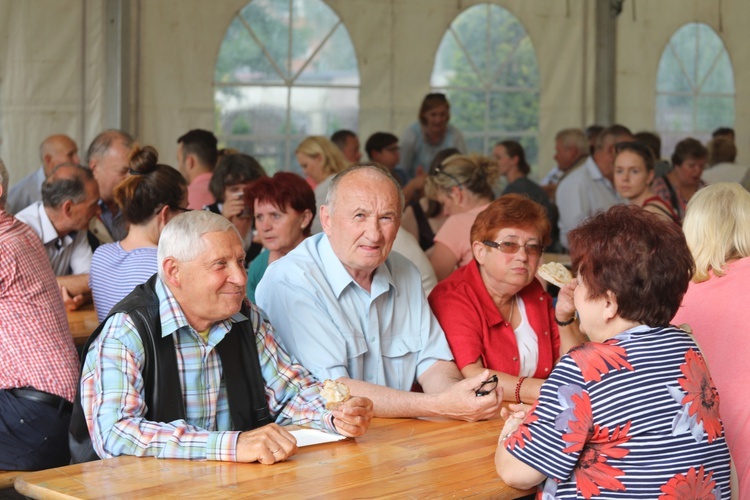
column 276, row 451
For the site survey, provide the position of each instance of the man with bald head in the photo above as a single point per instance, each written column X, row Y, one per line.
column 350, row 309
column 70, row 198
column 107, row 157
column 55, row 150
column 590, row 187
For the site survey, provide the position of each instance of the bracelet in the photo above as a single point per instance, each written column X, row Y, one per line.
column 518, row 389
column 566, row 323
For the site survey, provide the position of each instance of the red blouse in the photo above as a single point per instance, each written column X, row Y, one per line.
column 475, row 329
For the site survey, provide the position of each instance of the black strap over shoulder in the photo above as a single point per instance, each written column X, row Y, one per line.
column 162, row 387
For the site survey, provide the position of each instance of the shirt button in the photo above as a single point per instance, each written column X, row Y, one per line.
column 545, row 333
column 515, row 358
column 546, row 369
column 372, row 339
column 541, row 298
column 369, row 377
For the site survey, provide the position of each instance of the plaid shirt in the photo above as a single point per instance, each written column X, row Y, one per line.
column 114, row 405
column 37, row 349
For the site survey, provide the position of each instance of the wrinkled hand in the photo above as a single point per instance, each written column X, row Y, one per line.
column 513, row 418
column 565, row 308
column 461, row 402
column 71, row 302
column 268, row 444
column 353, row 417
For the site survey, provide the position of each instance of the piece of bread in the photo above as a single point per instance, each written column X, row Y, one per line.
column 334, row 393
column 555, row 273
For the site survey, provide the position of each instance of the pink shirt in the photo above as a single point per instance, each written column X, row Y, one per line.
column 37, row 348
column 714, row 310
column 455, row 233
column 198, row 193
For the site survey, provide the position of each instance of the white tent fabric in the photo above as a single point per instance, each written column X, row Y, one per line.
column 53, row 64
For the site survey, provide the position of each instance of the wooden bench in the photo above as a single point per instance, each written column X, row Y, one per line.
column 7, row 477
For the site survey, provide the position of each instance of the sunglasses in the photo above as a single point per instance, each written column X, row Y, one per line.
column 439, row 171
column 513, row 247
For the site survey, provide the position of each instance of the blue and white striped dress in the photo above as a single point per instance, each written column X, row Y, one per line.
column 115, row 272
column 634, row 417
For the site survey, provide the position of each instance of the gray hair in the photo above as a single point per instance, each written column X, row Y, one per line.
column 4, row 181
column 371, row 167
column 182, row 239
column 102, row 142
column 66, row 182
column 574, row 137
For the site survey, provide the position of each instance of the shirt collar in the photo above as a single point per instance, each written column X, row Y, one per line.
column 339, row 278
column 48, row 232
column 172, row 318
column 593, row 169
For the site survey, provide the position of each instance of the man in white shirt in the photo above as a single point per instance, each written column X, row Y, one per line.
column 55, row 150
column 590, row 188
column 70, row 198
column 571, row 150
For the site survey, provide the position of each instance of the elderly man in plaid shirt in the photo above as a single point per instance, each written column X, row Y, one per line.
column 186, row 367
column 38, row 362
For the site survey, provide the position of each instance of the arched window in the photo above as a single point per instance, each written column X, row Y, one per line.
column 487, row 67
column 286, row 69
column 694, row 86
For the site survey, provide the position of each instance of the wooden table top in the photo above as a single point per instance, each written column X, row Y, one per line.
column 396, row 458
column 82, row 322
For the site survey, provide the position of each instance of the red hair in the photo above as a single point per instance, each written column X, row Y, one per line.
column 641, row 258
column 511, row 210
column 284, row 190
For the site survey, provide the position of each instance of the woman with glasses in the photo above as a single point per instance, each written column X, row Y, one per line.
column 634, row 171
column 421, row 141
column 495, row 313
column 148, row 198
column 463, row 186
column 633, row 413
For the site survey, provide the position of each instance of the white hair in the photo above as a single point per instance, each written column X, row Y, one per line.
column 182, row 239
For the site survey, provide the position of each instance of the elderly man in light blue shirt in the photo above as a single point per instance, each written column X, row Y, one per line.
column 589, row 188
column 348, row 310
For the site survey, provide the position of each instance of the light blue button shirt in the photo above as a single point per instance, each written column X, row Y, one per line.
column 335, row 328
column 581, row 194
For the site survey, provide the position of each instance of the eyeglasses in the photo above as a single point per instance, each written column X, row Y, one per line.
column 439, row 171
column 513, row 247
column 487, row 386
column 179, row 209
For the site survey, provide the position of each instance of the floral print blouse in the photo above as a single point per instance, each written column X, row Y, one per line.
column 634, row 417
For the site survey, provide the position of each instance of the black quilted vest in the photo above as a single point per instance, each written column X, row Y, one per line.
column 241, row 372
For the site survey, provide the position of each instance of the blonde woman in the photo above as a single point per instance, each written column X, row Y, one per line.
column 717, row 230
column 320, row 160
column 463, row 185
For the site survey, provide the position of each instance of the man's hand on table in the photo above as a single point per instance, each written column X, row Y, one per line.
column 72, row 302
column 268, row 444
column 353, row 417
column 462, row 403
